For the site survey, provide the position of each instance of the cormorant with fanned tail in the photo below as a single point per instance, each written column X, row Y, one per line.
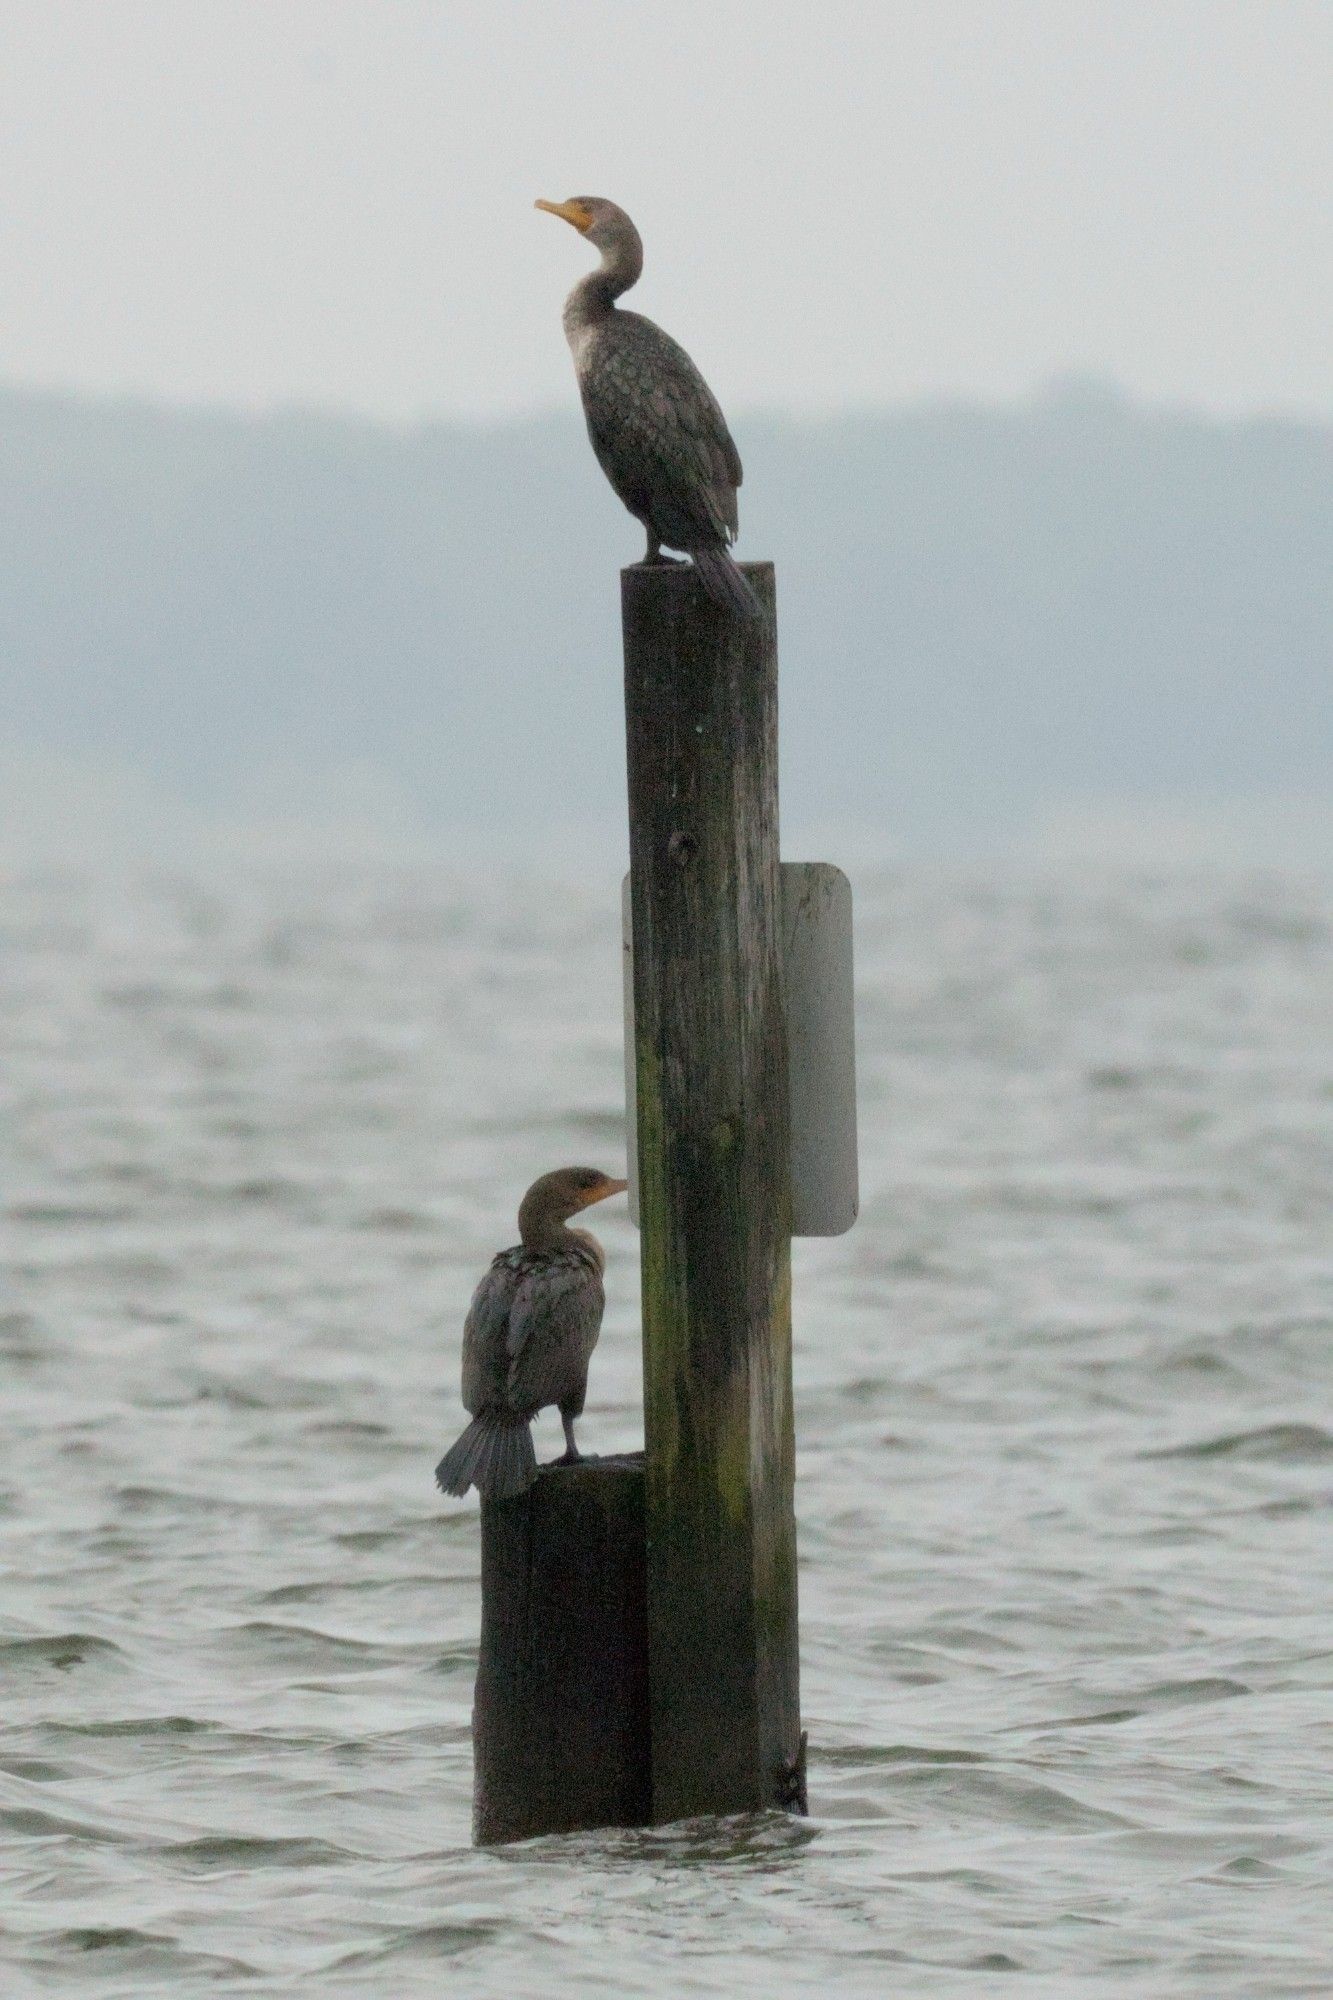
column 529, row 1334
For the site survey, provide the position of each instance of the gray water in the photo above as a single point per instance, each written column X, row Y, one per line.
column 1065, row 1448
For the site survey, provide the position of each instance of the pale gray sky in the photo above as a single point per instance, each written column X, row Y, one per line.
column 267, row 200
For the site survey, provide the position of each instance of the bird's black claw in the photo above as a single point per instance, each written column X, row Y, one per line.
column 791, row 1780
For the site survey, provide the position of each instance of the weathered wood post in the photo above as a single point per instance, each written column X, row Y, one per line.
column 639, row 1644
column 714, row 1195
column 560, row 1725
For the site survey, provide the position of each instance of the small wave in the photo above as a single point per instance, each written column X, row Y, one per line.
column 348, row 1427
column 29, row 1823
column 141, row 1951
column 137, row 994
column 1112, row 1076
column 66, row 1215
column 1182, row 1694
column 991, row 1794
column 331, row 1590
column 394, row 1221
column 35, row 1770
column 1196, row 1361
column 448, row 1659
column 164, row 1499
column 261, row 1390
column 589, row 1124
column 270, row 1632
column 428, row 1528
column 760, row 1840
column 107, row 1940
column 1160, row 1695
column 303, row 1646
column 943, row 1632
column 1100, row 1718
column 1297, row 1503
column 19, row 1337
column 61, row 1650
column 1298, row 1444
column 367, row 1539
column 427, row 1941
column 135, row 1725
column 261, row 1190
column 254, row 1851
column 854, row 1754
column 301, row 1593
column 1040, row 1199
column 1247, row 1868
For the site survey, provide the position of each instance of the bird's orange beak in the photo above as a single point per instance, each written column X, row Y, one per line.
column 568, row 211
column 602, row 1191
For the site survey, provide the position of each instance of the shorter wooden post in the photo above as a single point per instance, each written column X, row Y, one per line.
column 561, row 1724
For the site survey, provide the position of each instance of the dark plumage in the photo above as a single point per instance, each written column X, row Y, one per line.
column 530, row 1330
column 655, row 424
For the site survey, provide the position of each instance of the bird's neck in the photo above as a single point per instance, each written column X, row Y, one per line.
column 594, row 297
column 541, row 1231
column 547, row 1236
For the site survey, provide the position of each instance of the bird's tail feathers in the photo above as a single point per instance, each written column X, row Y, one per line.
column 725, row 582
column 494, row 1454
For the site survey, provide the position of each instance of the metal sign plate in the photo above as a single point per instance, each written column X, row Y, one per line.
column 821, row 1045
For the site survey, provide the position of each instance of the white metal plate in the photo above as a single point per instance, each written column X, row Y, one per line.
column 821, row 1046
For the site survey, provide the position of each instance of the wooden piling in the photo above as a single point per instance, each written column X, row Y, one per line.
column 714, row 1195
column 560, row 1724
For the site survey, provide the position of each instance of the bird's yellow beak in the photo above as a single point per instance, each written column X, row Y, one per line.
column 568, row 211
column 601, row 1192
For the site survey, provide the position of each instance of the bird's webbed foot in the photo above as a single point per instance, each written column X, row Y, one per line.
column 653, row 558
column 571, row 1454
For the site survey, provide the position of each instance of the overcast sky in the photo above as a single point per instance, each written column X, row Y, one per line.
column 330, row 201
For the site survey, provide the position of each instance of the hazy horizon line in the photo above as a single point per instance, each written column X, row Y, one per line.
column 1060, row 388
column 66, row 808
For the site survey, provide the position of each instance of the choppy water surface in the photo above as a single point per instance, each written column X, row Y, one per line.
column 1065, row 1449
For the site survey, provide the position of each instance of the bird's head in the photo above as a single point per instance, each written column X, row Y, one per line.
column 557, row 1196
column 594, row 217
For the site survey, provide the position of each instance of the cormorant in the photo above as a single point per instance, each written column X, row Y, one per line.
column 530, row 1330
column 655, row 424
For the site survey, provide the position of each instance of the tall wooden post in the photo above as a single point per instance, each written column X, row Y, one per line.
column 714, row 1195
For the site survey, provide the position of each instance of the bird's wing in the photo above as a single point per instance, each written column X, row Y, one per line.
column 553, row 1328
column 485, row 1336
column 655, row 422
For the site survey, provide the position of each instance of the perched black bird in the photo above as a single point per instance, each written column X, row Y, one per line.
column 655, row 424
column 531, row 1328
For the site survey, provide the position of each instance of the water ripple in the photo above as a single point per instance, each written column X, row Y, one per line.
column 1064, row 1407
column 1300, row 1444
